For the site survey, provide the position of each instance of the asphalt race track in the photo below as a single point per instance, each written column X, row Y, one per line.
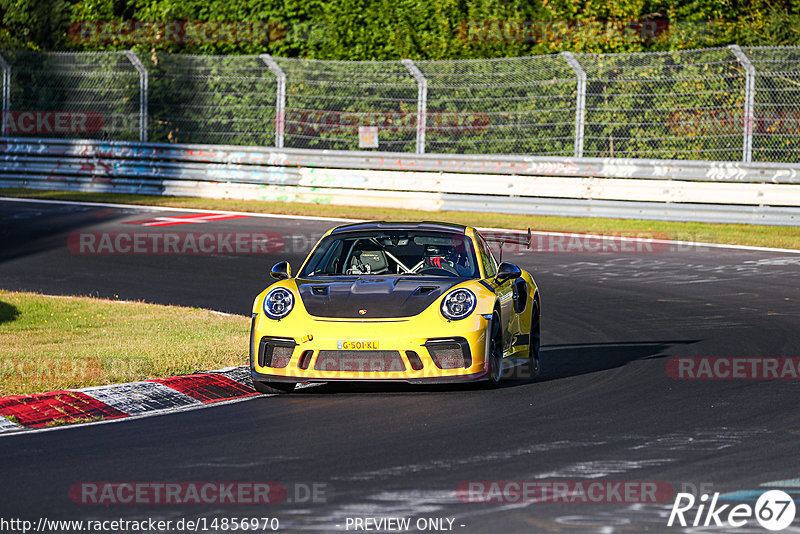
column 604, row 410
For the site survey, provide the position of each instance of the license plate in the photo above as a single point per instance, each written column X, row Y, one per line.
column 357, row 344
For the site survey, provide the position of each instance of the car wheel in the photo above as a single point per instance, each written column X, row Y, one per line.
column 533, row 365
column 495, row 351
column 274, row 388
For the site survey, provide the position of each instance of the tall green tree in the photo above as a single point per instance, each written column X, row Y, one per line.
column 34, row 24
column 418, row 29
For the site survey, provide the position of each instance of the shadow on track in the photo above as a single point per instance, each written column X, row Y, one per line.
column 28, row 228
column 558, row 361
column 562, row 361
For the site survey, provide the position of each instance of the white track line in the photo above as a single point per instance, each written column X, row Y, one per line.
column 338, row 219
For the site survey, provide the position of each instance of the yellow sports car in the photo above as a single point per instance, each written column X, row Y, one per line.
column 389, row 301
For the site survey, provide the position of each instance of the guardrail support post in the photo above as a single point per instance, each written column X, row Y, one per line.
column 6, row 97
column 143, row 88
column 280, row 102
column 422, row 103
column 749, row 96
column 580, row 102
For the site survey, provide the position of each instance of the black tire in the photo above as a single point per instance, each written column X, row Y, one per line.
column 533, row 366
column 274, row 388
column 495, row 352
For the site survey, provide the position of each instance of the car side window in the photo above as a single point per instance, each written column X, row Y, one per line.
column 489, row 263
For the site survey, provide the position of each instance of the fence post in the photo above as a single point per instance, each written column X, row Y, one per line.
column 143, row 89
column 749, row 95
column 280, row 102
column 580, row 103
column 6, row 98
column 422, row 103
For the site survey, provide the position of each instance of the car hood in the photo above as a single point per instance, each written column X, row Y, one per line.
column 372, row 297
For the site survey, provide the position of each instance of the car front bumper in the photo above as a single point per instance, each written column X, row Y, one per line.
column 412, row 350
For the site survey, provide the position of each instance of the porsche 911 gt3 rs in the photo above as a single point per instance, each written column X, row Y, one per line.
column 388, row 301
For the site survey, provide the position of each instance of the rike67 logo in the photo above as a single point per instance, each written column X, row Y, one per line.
column 774, row 510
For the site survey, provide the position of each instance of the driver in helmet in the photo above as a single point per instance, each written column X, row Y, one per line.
column 444, row 257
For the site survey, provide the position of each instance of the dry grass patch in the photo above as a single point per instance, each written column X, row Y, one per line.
column 52, row 343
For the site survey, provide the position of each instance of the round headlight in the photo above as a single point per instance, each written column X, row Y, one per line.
column 278, row 303
column 458, row 304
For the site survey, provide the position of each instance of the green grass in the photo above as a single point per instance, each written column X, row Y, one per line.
column 53, row 343
column 735, row 234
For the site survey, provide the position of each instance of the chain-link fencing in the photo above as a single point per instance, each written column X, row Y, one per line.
column 724, row 104
column 516, row 106
column 92, row 95
column 329, row 102
column 776, row 103
column 667, row 105
column 227, row 100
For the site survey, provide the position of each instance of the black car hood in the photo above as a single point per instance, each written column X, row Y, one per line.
column 372, row 297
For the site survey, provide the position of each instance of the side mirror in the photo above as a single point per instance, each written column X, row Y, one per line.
column 506, row 271
column 281, row 270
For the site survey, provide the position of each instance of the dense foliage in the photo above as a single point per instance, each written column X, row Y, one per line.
column 392, row 29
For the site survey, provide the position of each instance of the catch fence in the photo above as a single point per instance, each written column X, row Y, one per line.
column 720, row 104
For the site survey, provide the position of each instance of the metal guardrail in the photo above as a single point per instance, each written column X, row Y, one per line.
column 705, row 171
column 766, row 193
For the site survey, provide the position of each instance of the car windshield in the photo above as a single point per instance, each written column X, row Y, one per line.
column 393, row 252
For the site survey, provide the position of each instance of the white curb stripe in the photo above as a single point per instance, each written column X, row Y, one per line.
column 237, row 374
column 139, row 397
column 6, row 425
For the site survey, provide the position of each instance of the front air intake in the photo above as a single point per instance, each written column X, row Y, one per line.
column 275, row 352
column 363, row 361
column 450, row 353
column 414, row 360
column 305, row 359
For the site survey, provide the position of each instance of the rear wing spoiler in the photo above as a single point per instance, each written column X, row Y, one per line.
column 516, row 239
column 503, row 238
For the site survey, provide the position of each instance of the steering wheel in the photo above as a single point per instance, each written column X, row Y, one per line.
column 444, row 270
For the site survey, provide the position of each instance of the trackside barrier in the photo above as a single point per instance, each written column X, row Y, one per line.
column 765, row 193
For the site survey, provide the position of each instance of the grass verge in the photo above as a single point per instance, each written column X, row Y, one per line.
column 53, row 343
column 734, row 234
